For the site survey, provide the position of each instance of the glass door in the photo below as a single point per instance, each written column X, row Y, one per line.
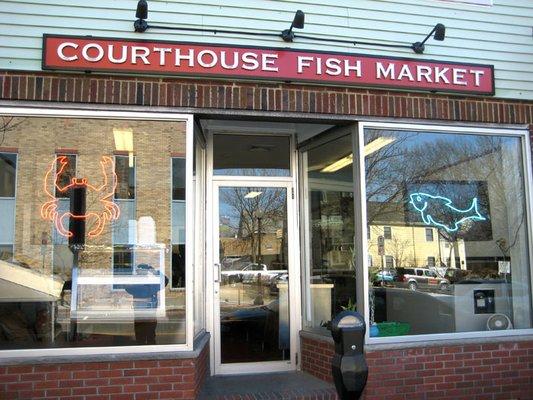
column 251, row 289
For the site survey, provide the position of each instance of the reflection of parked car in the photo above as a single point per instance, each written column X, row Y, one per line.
column 386, row 275
column 420, row 279
column 249, row 274
column 455, row 275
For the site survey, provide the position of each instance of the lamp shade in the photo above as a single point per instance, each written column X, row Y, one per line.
column 142, row 10
column 440, row 32
column 298, row 21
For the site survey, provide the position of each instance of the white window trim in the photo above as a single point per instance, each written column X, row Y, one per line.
column 143, row 115
column 362, row 253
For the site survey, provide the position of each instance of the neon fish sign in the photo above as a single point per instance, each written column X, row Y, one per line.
column 433, row 208
column 110, row 211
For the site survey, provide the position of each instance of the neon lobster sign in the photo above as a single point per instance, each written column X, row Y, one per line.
column 110, row 211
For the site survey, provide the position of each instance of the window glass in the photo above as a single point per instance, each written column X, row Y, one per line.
column 6, row 252
column 65, row 171
column 8, row 169
column 387, row 232
column 330, row 208
column 178, row 178
column 469, row 190
column 251, row 155
column 178, row 223
column 125, row 170
column 102, row 278
column 8, row 174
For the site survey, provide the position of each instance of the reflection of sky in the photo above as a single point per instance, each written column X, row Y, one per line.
column 415, row 156
column 229, row 213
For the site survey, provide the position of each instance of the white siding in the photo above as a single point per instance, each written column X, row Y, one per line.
column 500, row 34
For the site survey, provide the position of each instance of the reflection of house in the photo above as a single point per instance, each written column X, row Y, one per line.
column 232, row 247
column 404, row 246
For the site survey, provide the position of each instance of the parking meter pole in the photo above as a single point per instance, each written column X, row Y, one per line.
column 349, row 367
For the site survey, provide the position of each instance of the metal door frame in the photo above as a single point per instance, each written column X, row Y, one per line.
column 214, row 183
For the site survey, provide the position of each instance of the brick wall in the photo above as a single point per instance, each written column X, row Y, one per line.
column 117, row 380
column 461, row 372
column 170, row 92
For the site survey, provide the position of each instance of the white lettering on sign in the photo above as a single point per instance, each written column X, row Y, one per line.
column 333, row 66
column 458, row 76
column 224, row 62
column 477, row 75
column 179, row 57
column 382, row 72
column 428, row 74
column 123, row 56
column 202, row 60
column 268, row 62
column 85, row 52
column 249, row 61
column 423, row 72
column 356, row 68
column 440, row 74
column 140, row 52
column 62, row 55
column 162, row 51
column 405, row 72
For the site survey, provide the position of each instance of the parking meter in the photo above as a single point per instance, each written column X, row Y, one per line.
column 349, row 367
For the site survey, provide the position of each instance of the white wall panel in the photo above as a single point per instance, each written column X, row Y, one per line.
column 500, row 34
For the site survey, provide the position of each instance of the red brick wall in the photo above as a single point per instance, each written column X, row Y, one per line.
column 117, row 380
column 169, row 92
column 460, row 372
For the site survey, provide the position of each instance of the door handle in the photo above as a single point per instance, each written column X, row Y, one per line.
column 217, row 272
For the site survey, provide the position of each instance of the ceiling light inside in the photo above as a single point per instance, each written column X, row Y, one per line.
column 370, row 148
column 251, row 195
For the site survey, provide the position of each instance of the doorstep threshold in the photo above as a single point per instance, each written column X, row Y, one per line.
column 279, row 385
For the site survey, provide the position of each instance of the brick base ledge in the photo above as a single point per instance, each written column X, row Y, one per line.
column 144, row 378
column 501, row 368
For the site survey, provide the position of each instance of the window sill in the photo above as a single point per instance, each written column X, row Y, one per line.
column 200, row 342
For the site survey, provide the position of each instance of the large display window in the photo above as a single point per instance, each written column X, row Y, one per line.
column 92, row 203
column 427, row 230
column 447, row 212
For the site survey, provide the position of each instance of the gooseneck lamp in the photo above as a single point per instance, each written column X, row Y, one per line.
column 298, row 22
column 287, row 35
column 439, row 31
column 140, row 24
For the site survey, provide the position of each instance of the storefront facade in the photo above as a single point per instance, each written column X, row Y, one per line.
column 160, row 225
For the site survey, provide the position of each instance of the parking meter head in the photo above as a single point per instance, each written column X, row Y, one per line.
column 348, row 366
column 347, row 321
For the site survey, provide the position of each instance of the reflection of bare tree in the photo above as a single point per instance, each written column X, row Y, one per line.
column 413, row 158
column 398, row 250
column 256, row 215
column 9, row 124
